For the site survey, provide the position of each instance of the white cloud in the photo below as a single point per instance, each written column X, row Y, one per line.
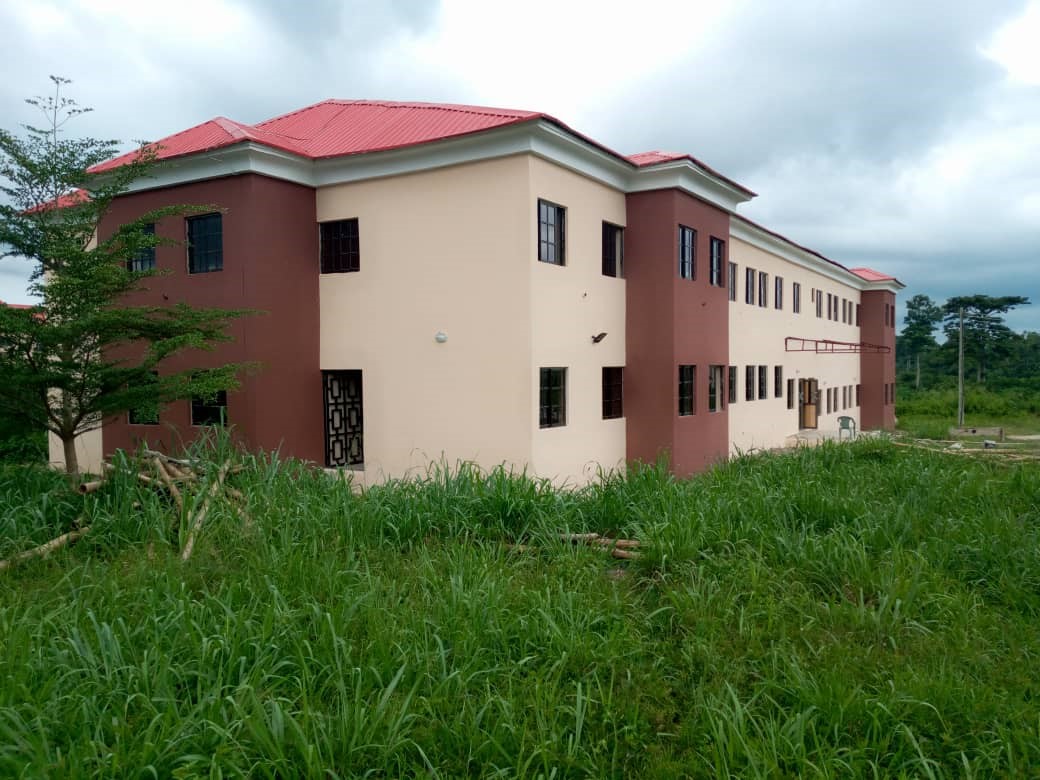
column 1015, row 46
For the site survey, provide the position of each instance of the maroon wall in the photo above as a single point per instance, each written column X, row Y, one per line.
column 671, row 322
column 877, row 369
column 270, row 248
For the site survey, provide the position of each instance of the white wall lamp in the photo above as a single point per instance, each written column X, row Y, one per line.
column 440, row 337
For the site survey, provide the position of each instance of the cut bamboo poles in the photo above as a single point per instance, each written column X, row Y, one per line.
column 46, row 548
column 178, row 477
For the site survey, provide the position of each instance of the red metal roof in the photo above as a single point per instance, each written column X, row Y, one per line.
column 645, row 159
column 655, row 157
column 15, row 305
column 336, row 128
column 870, row 275
column 73, row 198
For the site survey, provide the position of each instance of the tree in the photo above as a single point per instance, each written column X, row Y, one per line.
column 922, row 318
column 986, row 337
column 84, row 354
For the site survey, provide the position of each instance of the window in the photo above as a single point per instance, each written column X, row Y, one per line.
column 778, row 293
column 796, row 297
column 613, row 250
column 790, row 394
column 844, row 397
column 778, row 381
column 763, row 389
column 144, row 259
column 716, row 389
column 857, row 314
column 209, row 410
column 732, row 384
column 749, row 286
column 146, row 414
column 344, row 418
column 552, row 230
column 687, row 390
column 830, row 306
column 718, row 262
column 340, row 246
column 613, row 392
column 819, row 303
column 763, row 289
column 205, row 244
column 859, row 390
column 732, row 280
column 552, row 397
column 886, row 314
column 828, row 394
column 687, row 252
column 749, row 383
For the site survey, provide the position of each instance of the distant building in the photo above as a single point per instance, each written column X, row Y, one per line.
column 457, row 282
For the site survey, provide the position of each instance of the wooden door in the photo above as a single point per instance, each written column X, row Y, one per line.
column 808, row 398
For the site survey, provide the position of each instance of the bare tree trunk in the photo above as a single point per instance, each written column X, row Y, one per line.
column 71, row 463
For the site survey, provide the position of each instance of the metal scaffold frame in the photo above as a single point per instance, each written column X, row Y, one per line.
column 831, row 347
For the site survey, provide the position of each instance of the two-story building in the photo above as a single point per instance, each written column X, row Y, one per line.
column 464, row 283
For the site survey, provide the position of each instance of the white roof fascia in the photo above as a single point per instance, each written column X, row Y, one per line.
column 785, row 250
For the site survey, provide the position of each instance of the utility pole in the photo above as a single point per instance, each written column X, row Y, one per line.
column 960, row 374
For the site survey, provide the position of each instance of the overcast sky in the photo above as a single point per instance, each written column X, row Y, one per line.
column 900, row 135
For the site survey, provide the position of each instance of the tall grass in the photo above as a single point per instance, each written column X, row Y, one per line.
column 847, row 610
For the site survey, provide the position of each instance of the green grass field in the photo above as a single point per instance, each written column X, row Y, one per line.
column 853, row 610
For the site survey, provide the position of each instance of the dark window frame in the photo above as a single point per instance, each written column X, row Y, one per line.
column 763, row 383
column 133, row 416
column 796, row 297
column 552, row 216
column 210, row 412
column 717, row 262
column 819, row 302
column 749, row 285
column 749, row 383
column 204, row 244
column 763, row 290
column 731, row 384
column 790, row 394
column 731, row 280
column 344, row 418
column 778, row 381
column 613, row 385
column 687, row 253
column 144, row 258
column 339, row 246
column 778, row 292
column 613, row 250
column 552, row 412
column 687, row 390
column 716, row 388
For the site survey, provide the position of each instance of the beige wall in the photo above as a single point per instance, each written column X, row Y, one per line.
column 88, row 451
column 757, row 338
column 569, row 304
column 455, row 250
column 440, row 251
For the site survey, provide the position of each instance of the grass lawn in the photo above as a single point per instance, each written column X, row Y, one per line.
column 846, row 610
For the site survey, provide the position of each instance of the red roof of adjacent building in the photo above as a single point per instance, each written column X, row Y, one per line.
column 15, row 305
column 73, row 198
column 336, row 128
column 870, row 275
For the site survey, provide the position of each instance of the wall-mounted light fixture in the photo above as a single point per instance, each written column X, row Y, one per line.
column 599, row 337
column 440, row 337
